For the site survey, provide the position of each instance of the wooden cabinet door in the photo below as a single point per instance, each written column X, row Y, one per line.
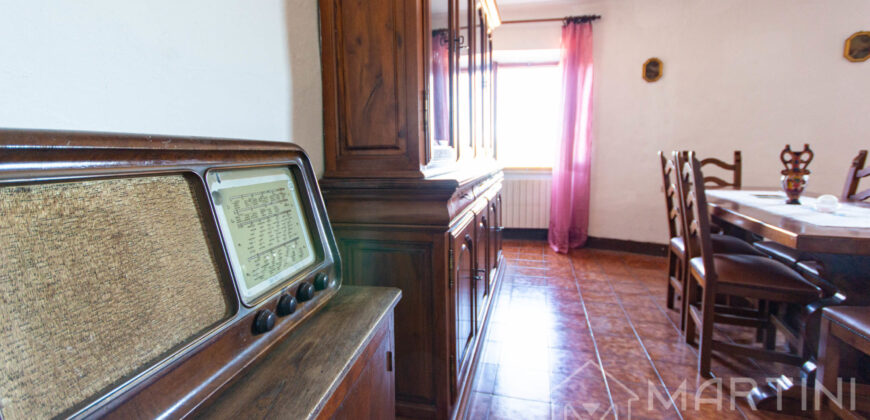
column 481, row 269
column 369, row 390
column 371, row 99
column 462, row 287
column 493, row 233
column 499, row 223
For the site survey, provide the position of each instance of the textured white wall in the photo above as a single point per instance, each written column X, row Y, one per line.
column 222, row 68
column 739, row 74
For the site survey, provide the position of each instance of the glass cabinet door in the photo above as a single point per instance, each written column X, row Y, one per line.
column 485, row 86
column 464, row 64
column 439, row 129
column 477, row 76
column 490, row 122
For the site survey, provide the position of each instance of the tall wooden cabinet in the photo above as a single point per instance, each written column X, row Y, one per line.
column 412, row 184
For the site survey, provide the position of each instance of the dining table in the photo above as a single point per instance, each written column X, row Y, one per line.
column 844, row 231
column 837, row 237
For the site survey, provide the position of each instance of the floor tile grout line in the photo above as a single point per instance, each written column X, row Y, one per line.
column 642, row 345
column 596, row 268
column 692, row 347
column 493, row 394
column 594, row 341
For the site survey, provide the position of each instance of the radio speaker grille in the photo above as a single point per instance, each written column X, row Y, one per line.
column 99, row 279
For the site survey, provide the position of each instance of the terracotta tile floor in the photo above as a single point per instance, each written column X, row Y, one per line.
column 588, row 336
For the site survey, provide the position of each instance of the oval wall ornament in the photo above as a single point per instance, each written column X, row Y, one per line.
column 653, row 69
column 857, row 47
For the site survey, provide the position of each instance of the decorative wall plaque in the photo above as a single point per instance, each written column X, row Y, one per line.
column 652, row 70
column 857, row 47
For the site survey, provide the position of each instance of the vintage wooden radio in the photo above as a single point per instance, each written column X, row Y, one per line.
column 140, row 275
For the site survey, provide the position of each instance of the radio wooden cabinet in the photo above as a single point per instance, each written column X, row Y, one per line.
column 412, row 184
column 169, row 277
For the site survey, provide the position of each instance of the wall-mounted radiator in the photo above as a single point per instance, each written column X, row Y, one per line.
column 526, row 198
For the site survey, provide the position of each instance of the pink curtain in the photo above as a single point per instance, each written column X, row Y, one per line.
column 441, row 85
column 569, row 209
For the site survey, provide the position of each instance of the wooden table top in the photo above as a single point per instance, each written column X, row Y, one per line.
column 297, row 376
column 793, row 233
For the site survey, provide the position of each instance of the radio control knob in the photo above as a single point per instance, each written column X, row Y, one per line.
column 305, row 292
column 286, row 305
column 321, row 281
column 264, row 321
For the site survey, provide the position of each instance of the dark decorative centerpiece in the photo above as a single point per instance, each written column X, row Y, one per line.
column 795, row 175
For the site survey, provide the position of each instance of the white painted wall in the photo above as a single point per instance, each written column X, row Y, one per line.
column 738, row 74
column 221, row 68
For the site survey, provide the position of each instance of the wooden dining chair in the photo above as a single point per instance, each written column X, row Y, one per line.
column 856, row 172
column 845, row 340
column 751, row 277
column 676, row 230
column 736, row 169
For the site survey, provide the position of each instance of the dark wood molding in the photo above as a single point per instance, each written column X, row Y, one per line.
column 635, row 247
column 423, row 202
column 525, row 234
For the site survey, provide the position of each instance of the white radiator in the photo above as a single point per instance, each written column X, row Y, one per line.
column 526, row 196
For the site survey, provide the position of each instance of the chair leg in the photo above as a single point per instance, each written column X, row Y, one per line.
column 684, row 281
column 705, row 341
column 828, row 369
column 672, row 272
column 770, row 336
column 761, row 332
column 689, row 296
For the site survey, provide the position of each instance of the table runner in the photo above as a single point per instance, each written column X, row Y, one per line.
column 847, row 216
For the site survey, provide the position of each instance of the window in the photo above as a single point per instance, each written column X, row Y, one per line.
column 528, row 114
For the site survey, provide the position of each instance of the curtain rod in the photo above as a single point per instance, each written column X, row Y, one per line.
column 581, row 19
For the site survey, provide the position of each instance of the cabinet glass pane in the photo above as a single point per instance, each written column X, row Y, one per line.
column 439, row 81
column 463, row 101
column 486, row 88
column 479, row 31
column 490, row 121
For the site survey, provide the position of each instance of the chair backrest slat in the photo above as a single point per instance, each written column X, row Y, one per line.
column 685, row 203
column 736, row 168
column 853, row 178
column 669, row 174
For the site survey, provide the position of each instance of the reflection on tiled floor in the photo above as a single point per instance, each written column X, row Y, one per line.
column 588, row 335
